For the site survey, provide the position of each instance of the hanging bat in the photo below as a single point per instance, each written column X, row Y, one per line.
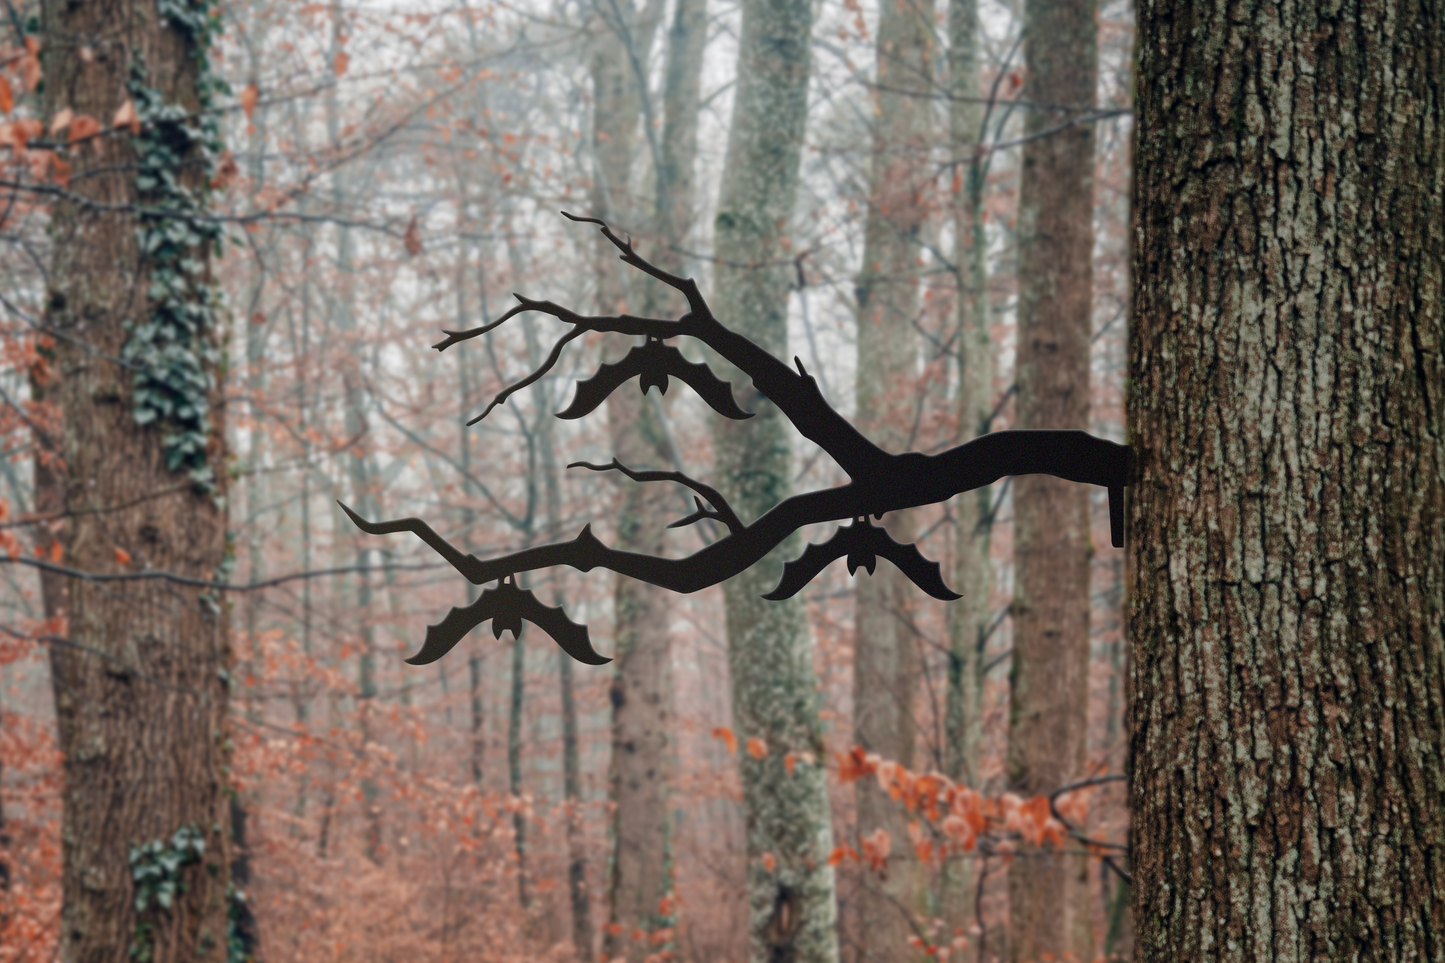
column 654, row 361
column 507, row 605
column 862, row 542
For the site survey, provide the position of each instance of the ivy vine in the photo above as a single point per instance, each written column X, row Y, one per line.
column 175, row 350
column 155, row 867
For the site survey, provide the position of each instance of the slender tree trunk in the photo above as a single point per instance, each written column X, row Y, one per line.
column 141, row 696
column 792, row 911
column 1049, row 904
column 1286, row 569
column 885, row 665
column 970, row 617
column 514, row 765
column 641, row 693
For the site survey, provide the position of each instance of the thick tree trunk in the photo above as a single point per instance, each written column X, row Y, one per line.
column 969, row 618
column 1049, row 907
column 885, row 660
column 792, row 911
column 141, row 694
column 1286, row 571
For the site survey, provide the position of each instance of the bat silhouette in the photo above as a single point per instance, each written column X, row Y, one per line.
column 862, row 542
column 654, row 361
column 507, row 605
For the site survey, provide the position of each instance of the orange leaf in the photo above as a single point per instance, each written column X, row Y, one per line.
column 56, row 552
column 770, row 862
column 59, row 170
column 62, row 120
column 83, row 126
column 790, row 762
column 342, row 61
column 249, row 96
column 726, row 735
column 411, row 240
column 836, row 856
column 757, row 748
column 126, row 117
column 122, row 557
column 7, row 97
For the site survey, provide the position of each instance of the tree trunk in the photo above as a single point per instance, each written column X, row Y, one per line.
column 885, row 659
column 1049, row 906
column 641, row 694
column 141, row 693
column 970, row 617
column 1286, row 571
column 792, row 911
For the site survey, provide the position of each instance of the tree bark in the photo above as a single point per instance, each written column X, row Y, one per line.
column 1049, row 905
column 792, row 910
column 1286, row 570
column 141, row 691
column 885, row 660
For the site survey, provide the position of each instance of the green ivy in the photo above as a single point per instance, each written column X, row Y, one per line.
column 155, row 867
column 174, row 351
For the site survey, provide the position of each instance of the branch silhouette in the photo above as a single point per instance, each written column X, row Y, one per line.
column 879, row 481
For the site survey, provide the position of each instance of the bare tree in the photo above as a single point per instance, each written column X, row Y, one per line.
column 885, row 659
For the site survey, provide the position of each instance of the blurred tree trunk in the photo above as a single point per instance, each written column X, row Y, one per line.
column 885, row 661
column 792, row 910
column 970, row 617
column 141, row 692
column 641, row 692
column 1050, row 910
column 1286, row 570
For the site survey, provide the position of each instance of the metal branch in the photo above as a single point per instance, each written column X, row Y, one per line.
column 903, row 481
column 724, row 511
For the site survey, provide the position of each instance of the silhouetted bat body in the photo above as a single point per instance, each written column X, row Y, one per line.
column 862, row 542
column 654, row 361
column 507, row 605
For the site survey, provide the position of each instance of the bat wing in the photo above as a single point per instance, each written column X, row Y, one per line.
column 910, row 561
column 506, row 606
column 654, row 362
column 594, row 390
column 862, row 543
column 709, row 387
column 800, row 571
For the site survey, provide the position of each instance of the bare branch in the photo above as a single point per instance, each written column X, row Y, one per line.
column 724, row 513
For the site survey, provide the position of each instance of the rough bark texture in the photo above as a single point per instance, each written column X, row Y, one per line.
column 141, row 693
column 1049, row 910
column 1287, row 519
column 885, row 660
column 641, row 694
column 969, row 618
column 792, row 911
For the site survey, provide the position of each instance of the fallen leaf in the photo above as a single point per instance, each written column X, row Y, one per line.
column 770, row 862
column 342, row 61
column 757, row 748
column 59, row 170
column 7, row 96
column 62, row 120
column 412, row 238
column 249, row 96
column 122, row 557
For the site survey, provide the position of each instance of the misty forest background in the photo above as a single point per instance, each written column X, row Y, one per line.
column 369, row 175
